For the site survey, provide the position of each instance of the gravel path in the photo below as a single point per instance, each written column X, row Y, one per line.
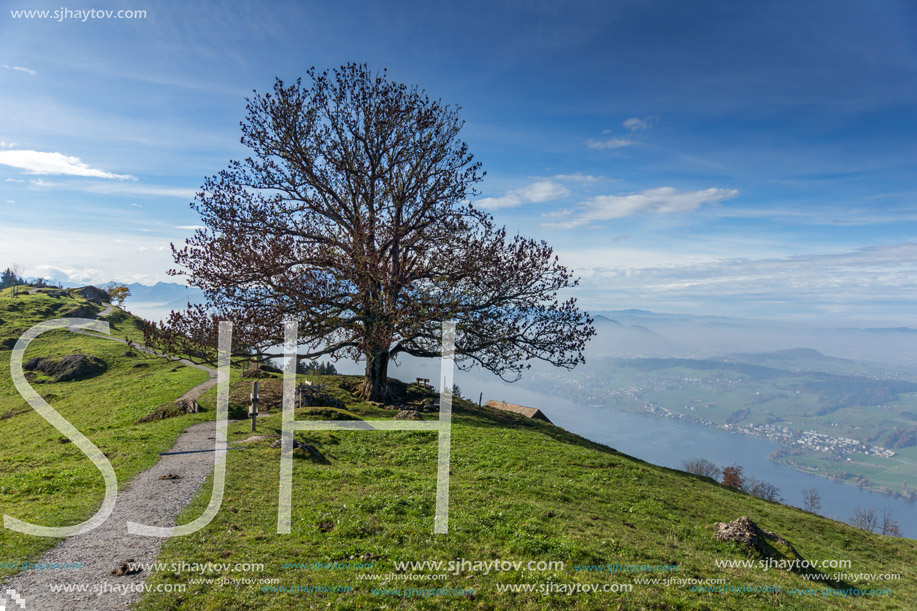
column 154, row 497
column 149, row 499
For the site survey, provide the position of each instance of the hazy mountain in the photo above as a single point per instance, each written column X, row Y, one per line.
column 156, row 301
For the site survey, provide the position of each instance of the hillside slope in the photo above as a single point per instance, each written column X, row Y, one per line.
column 44, row 479
column 521, row 490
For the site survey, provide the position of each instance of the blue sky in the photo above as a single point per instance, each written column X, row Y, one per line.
column 711, row 157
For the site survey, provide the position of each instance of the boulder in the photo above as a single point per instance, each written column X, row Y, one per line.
column 68, row 368
column 93, row 294
column 408, row 414
column 306, row 448
column 743, row 530
column 171, row 410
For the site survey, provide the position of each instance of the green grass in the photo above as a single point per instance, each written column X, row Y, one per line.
column 47, row 481
column 520, row 490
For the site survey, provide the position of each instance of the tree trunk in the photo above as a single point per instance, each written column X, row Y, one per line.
column 375, row 380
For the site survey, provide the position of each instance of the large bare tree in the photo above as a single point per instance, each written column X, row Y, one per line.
column 352, row 216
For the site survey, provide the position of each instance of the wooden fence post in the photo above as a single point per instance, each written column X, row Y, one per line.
column 253, row 410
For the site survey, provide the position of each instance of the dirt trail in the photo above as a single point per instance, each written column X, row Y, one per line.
column 154, row 497
column 149, row 499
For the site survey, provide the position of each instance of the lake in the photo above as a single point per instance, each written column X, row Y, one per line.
column 666, row 442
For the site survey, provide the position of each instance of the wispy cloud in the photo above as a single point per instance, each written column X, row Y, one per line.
column 581, row 178
column 109, row 188
column 663, row 200
column 535, row 193
column 636, row 124
column 190, row 227
column 11, row 201
column 6, row 145
column 14, row 180
column 37, row 162
column 632, row 125
column 20, row 69
column 609, row 143
column 873, row 283
column 792, row 278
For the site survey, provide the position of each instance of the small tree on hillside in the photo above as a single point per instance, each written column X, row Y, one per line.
column 11, row 278
column 889, row 526
column 762, row 490
column 7, row 278
column 811, row 500
column 865, row 519
column 117, row 293
column 733, row 477
column 701, row 466
column 351, row 216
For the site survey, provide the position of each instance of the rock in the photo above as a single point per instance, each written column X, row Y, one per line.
column 407, row 414
column 68, row 368
column 316, row 398
column 7, row 343
column 171, row 410
column 306, row 448
column 125, row 569
column 188, row 406
column 744, row 531
column 93, row 294
column 171, row 476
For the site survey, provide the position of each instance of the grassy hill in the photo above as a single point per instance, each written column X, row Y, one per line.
column 521, row 490
column 43, row 478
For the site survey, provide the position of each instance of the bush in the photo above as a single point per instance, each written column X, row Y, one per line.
column 733, row 477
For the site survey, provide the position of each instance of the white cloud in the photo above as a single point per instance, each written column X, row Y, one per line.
column 584, row 178
column 190, row 227
column 610, row 143
column 535, row 193
column 635, row 124
column 14, row 180
column 663, row 200
column 87, row 256
column 21, row 69
column 632, row 125
column 135, row 205
column 558, row 214
column 6, row 145
column 795, row 278
column 11, row 201
column 119, row 188
column 37, row 162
